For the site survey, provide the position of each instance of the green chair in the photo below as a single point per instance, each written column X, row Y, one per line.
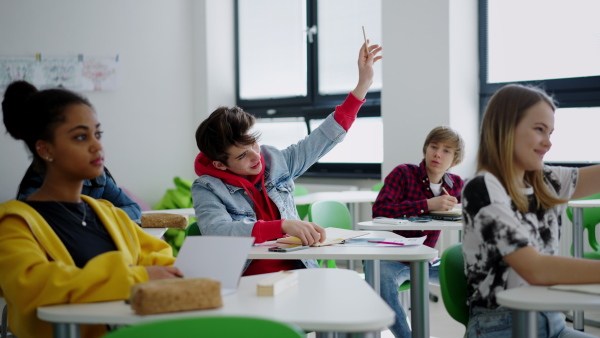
column 330, row 214
column 226, row 327
column 302, row 209
column 454, row 284
column 377, row 186
column 591, row 218
column 193, row 230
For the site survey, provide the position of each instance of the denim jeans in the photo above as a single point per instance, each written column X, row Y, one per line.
column 496, row 323
column 393, row 274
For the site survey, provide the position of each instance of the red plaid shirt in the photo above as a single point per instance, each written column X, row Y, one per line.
column 405, row 193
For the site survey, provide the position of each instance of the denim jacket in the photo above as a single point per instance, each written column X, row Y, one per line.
column 102, row 187
column 225, row 210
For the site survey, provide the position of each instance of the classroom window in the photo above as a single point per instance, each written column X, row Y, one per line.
column 297, row 59
column 554, row 44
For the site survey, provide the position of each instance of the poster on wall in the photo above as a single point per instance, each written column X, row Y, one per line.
column 78, row 73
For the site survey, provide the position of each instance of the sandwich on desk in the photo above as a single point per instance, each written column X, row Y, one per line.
column 333, row 236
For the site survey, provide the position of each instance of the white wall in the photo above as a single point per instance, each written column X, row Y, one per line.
column 149, row 122
column 430, row 77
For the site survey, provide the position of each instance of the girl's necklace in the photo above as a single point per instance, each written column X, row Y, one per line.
column 69, row 211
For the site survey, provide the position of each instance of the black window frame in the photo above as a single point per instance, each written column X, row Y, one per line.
column 568, row 92
column 313, row 106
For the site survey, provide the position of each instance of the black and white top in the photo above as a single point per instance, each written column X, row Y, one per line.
column 494, row 228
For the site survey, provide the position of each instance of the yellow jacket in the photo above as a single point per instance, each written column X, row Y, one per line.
column 36, row 268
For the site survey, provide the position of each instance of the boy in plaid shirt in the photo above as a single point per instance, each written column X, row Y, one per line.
column 411, row 190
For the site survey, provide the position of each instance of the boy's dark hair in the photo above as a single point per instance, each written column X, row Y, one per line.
column 224, row 128
column 31, row 115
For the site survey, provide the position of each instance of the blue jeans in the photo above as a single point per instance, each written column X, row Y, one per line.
column 492, row 323
column 393, row 274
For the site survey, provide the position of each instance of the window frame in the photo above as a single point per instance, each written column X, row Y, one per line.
column 313, row 106
column 575, row 92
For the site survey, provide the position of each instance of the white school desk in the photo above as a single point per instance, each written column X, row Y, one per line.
column 324, row 300
column 419, row 256
column 433, row 225
column 185, row 212
column 156, row 232
column 528, row 300
column 578, row 206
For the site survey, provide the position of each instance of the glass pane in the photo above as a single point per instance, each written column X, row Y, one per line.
column 280, row 133
column 272, row 48
column 542, row 39
column 356, row 148
column 340, row 36
column 575, row 133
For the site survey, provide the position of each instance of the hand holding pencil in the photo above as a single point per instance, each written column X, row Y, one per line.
column 367, row 57
column 443, row 202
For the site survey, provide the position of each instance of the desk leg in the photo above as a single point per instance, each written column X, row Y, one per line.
column 419, row 296
column 63, row 330
column 578, row 253
column 373, row 275
column 524, row 324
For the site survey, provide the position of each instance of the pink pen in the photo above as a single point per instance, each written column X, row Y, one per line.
column 386, row 242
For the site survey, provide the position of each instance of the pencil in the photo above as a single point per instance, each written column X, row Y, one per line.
column 365, row 36
column 445, row 191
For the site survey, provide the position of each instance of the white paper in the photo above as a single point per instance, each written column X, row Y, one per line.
column 218, row 257
column 399, row 242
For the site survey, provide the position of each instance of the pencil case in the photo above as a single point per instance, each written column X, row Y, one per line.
column 164, row 220
column 175, row 295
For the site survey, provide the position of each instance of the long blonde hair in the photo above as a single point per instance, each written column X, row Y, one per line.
column 503, row 113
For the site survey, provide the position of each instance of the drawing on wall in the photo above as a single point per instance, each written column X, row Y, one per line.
column 16, row 68
column 100, row 73
column 62, row 72
column 76, row 73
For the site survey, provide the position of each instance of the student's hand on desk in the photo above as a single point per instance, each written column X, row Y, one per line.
column 308, row 232
column 163, row 272
column 441, row 203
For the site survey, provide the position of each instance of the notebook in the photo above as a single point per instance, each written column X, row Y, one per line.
column 333, row 236
column 217, row 257
column 442, row 217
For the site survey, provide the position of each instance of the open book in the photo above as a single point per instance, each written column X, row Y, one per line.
column 334, row 236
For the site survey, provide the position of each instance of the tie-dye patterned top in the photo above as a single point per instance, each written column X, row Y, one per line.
column 494, row 228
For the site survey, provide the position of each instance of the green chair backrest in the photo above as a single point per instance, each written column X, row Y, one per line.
column 330, row 214
column 591, row 218
column 453, row 283
column 226, row 327
column 302, row 209
column 377, row 186
column 193, row 230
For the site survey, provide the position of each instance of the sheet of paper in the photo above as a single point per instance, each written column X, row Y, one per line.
column 217, row 257
column 389, row 242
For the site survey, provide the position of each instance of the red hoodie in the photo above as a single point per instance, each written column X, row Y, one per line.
column 268, row 224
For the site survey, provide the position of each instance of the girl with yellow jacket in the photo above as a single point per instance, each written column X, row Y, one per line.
column 59, row 246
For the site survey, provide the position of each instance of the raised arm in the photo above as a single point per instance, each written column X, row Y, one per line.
column 588, row 182
column 365, row 69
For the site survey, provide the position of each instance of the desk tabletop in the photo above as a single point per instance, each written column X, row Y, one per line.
column 433, row 225
column 541, row 298
column 185, row 212
column 352, row 196
column 418, row 253
column 324, row 300
column 156, row 232
column 584, row 204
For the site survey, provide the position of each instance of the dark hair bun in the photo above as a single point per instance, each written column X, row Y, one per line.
column 13, row 107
